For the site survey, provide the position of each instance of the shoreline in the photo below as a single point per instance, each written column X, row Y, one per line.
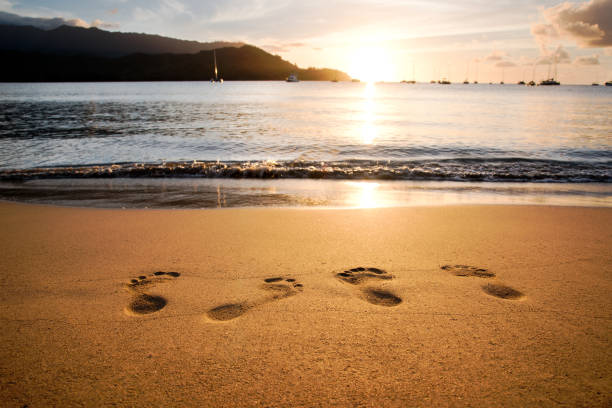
column 301, row 208
column 198, row 193
column 261, row 307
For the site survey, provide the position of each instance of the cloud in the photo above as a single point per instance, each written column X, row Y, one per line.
column 282, row 47
column 275, row 48
column 496, row 56
column 244, row 10
column 6, row 5
column 103, row 24
column 559, row 56
column 51, row 23
column 587, row 24
column 524, row 60
column 505, row 64
column 587, row 60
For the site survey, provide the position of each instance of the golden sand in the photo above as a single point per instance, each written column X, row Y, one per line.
column 447, row 306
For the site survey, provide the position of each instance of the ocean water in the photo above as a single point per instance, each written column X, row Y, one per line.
column 199, row 144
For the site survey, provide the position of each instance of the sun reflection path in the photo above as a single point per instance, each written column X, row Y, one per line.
column 365, row 195
column 368, row 130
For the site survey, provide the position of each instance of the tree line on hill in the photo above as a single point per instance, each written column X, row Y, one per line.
column 68, row 54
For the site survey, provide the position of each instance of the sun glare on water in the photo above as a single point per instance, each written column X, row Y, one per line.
column 364, row 195
column 371, row 64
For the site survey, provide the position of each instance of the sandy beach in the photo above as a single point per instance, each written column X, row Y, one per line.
column 500, row 306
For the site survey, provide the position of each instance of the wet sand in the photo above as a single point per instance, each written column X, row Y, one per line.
column 445, row 306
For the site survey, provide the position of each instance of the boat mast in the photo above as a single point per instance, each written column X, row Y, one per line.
column 215, row 59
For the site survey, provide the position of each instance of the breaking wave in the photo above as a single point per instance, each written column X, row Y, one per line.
column 468, row 169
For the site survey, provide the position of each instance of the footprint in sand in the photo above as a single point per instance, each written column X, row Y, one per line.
column 493, row 289
column 142, row 303
column 277, row 287
column 363, row 277
column 467, row 270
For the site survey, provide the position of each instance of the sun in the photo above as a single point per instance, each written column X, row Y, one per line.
column 371, row 64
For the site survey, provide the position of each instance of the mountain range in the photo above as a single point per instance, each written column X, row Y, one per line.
column 68, row 53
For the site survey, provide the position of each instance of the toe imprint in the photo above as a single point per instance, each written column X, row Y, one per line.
column 357, row 276
column 467, row 270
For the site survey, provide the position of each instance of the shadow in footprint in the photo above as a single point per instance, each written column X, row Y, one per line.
column 228, row 312
column 277, row 287
column 502, row 291
column 143, row 303
column 381, row 297
column 467, row 270
column 362, row 277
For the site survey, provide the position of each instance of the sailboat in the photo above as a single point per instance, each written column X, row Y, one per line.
column 445, row 81
column 522, row 81
column 532, row 82
column 551, row 80
column 413, row 80
column 216, row 78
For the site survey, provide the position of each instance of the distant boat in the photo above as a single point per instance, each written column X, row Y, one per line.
column 216, row 78
column 550, row 81
column 521, row 83
column 413, row 80
column 432, row 82
column 594, row 84
column 501, row 83
column 355, row 80
column 531, row 83
column 466, row 82
column 476, row 82
column 292, row 78
column 444, row 81
column 334, row 80
column 609, row 83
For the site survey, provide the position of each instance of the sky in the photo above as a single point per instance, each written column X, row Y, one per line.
column 382, row 40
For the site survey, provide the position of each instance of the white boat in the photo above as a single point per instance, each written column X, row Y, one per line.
column 292, row 78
